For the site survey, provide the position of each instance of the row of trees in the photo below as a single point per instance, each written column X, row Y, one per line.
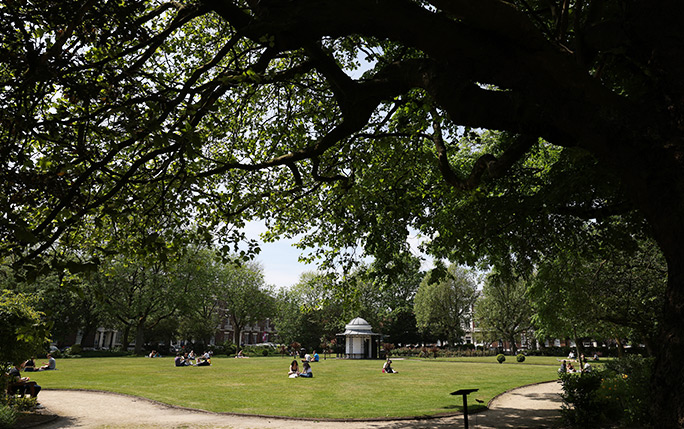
column 607, row 295
column 151, row 301
column 573, row 296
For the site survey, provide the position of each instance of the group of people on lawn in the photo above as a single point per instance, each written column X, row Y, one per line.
column 191, row 359
column 566, row 366
column 22, row 386
column 306, row 371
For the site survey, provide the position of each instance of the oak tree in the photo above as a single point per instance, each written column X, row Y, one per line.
column 232, row 109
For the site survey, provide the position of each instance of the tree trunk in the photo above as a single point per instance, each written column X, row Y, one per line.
column 660, row 195
column 514, row 345
column 648, row 343
column 139, row 337
column 124, row 337
column 620, row 348
column 667, row 383
column 237, row 331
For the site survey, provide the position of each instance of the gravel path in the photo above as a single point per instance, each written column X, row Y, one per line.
column 535, row 406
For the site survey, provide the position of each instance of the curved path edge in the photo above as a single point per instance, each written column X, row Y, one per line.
column 535, row 405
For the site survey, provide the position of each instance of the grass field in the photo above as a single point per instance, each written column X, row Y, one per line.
column 340, row 388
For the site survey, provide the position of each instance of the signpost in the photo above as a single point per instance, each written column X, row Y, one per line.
column 465, row 393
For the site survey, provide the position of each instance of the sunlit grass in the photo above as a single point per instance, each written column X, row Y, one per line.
column 340, row 388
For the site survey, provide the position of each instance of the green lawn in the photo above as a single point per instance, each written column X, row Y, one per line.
column 340, row 388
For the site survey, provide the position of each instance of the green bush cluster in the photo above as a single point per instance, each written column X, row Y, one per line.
column 76, row 349
column 105, row 353
column 461, row 352
column 251, row 351
column 229, row 348
column 616, row 394
column 581, row 405
column 8, row 417
column 501, row 358
column 10, row 406
column 21, row 404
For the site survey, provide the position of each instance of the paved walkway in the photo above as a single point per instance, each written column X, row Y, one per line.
column 535, row 406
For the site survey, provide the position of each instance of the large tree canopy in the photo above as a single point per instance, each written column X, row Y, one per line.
column 227, row 110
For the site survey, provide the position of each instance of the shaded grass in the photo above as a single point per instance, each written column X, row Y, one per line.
column 340, row 388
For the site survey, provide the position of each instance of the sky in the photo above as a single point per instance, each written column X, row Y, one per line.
column 280, row 259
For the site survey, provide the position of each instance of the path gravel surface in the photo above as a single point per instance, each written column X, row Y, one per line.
column 535, row 406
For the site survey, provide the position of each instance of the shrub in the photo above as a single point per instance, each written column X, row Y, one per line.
column 21, row 404
column 387, row 348
column 616, row 394
column 8, row 417
column 625, row 391
column 520, row 357
column 76, row 349
column 501, row 358
column 105, row 353
column 229, row 348
column 582, row 406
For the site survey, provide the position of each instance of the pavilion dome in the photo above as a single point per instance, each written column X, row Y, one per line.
column 358, row 326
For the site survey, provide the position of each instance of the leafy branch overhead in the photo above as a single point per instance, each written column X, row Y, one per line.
column 492, row 128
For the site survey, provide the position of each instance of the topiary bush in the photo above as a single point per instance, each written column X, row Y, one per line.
column 520, row 357
column 501, row 358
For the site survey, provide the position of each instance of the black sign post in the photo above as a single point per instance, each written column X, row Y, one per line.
column 465, row 393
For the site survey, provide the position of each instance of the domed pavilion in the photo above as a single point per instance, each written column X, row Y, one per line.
column 360, row 340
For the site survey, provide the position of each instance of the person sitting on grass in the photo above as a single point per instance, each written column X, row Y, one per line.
column 387, row 367
column 315, row 357
column 179, row 360
column 19, row 385
column 563, row 368
column 204, row 360
column 30, row 365
column 241, row 355
column 294, row 369
column 306, row 371
column 49, row 365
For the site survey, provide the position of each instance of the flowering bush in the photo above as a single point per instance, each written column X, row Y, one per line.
column 625, row 389
column 617, row 394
